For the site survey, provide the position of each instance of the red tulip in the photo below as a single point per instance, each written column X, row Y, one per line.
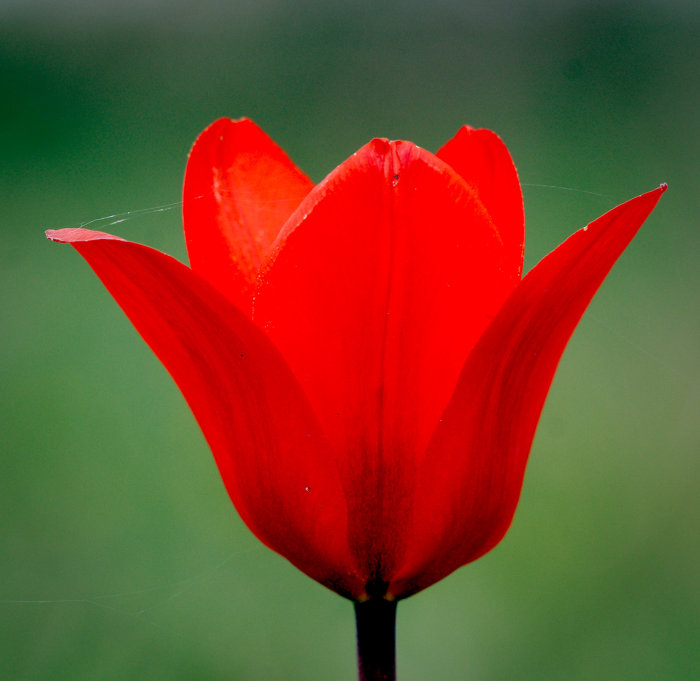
column 362, row 356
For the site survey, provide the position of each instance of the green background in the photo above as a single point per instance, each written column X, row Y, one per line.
column 121, row 556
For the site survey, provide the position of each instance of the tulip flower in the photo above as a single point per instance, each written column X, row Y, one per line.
column 363, row 357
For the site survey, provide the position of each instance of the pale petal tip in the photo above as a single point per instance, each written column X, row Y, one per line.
column 72, row 235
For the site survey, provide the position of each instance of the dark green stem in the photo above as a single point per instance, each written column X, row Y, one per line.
column 376, row 639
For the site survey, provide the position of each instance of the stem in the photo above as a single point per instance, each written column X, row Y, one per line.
column 376, row 639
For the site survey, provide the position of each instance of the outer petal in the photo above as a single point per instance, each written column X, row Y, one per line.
column 270, row 452
column 470, row 481
column 240, row 188
column 379, row 285
column 482, row 159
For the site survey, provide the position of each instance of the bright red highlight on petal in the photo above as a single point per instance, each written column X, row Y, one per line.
column 240, row 188
column 363, row 357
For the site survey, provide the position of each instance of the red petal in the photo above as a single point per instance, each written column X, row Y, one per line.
column 240, row 188
column 482, row 159
column 383, row 280
column 272, row 457
column 471, row 478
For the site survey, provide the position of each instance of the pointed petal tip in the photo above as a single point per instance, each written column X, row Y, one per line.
column 467, row 130
column 656, row 193
column 653, row 196
column 378, row 145
column 646, row 202
column 71, row 235
column 225, row 120
column 222, row 126
column 385, row 145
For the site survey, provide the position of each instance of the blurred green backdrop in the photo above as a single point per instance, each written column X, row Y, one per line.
column 121, row 555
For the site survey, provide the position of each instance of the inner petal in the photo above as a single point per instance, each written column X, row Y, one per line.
column 378, row 287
